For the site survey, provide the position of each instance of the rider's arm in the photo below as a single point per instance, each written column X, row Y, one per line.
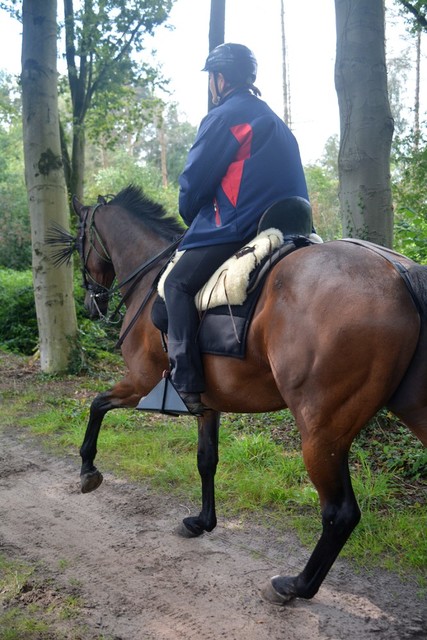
column 214, row 149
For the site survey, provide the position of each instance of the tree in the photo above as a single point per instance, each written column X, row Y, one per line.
column 44, row 175
column 418, row 11
column 100, row 38
column 322, row 183
column 178, row 138
column 216, row 31
column 15, row 235
column 285, row 78
column 409, row 157
column 366, row 124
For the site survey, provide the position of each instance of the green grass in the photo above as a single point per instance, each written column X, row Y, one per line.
column 261, row 472
column 31, row 608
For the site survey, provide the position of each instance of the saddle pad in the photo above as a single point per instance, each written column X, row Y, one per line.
column 228, row 285
column 223, row 329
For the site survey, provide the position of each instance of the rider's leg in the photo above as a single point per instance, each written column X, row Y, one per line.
column 187, row 277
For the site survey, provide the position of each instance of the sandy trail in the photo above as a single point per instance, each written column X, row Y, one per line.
column 140, row 581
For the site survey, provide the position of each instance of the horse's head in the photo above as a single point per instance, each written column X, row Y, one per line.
column 98, row 270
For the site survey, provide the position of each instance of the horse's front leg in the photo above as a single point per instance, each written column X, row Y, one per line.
column 207, row 461
column 90, row 477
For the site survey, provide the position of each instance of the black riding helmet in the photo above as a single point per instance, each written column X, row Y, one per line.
column 237, row 64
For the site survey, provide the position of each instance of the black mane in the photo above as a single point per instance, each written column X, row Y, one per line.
column 133, row 199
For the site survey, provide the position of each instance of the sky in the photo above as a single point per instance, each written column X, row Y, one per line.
column 310, row 38
column 311, row 52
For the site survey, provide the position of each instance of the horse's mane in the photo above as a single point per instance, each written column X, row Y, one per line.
column 152, row 214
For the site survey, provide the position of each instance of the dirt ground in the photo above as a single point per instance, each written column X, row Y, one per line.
column 137, row 580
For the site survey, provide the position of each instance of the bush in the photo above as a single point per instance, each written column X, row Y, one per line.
column 18, row 321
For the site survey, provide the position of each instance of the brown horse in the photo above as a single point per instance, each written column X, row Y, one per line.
column 336, row 335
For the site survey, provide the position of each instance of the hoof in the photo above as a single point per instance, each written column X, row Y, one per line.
column 90, row 481
column 187, row 530
column 271, row 595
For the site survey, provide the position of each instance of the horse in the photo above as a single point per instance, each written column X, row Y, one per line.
column 339, row 331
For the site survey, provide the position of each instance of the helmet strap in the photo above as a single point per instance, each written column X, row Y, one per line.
column 217, row 99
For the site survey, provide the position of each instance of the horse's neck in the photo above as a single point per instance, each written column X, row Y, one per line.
column 132, row 246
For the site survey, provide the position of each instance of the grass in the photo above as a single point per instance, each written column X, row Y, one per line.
column 261, row 472
column 31, row 608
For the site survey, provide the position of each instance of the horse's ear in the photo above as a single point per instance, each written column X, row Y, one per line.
column 77, row 205
column 102, row 200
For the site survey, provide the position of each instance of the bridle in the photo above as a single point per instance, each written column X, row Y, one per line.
column 97, row 291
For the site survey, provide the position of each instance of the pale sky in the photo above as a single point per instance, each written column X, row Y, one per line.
column 310, row 31
column 311, row 40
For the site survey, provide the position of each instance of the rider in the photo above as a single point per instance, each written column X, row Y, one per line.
column 243, row 160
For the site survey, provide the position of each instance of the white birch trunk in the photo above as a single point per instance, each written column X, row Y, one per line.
column 53, row 287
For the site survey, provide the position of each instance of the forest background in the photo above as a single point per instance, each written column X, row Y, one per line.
column 136, row 133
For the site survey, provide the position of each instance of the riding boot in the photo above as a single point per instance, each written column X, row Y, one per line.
column 187, row 277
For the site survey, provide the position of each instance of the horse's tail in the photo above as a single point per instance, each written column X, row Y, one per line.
column 416, row 280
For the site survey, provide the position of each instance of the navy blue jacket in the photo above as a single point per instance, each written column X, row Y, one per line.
column 243, row 160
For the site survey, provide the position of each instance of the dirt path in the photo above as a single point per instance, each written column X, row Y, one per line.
column 139, row 581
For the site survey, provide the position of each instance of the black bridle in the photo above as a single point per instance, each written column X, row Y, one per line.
column 96, row 290
column 99, row 292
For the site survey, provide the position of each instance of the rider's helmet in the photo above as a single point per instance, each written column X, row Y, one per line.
column 236, row 62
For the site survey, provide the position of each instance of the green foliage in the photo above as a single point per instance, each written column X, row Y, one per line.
column 322, row 183
column 415, row 12
column 18, row 322
column 392, row 448
column 177, row 138
column 15, row 236
column 104, row 75
column 409, row 179
column 124, row 170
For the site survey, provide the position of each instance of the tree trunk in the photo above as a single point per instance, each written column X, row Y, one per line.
column 216, row 32
column 366, row 122
column 417, row 131
column 286, row 96
column 44, row 174
column 76, row 185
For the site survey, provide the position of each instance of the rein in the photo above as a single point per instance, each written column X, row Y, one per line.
column 139, row 274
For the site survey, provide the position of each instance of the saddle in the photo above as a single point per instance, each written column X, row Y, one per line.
column 228, row 300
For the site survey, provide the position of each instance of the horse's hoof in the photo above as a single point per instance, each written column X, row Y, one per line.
column 90, row 481
column 271, row 595
column 186, row 531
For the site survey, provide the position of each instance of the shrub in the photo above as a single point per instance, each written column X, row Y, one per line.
column 18, row 321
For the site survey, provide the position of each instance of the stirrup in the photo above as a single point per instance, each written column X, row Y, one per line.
column 164, row 398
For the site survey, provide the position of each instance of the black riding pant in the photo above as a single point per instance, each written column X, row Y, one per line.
column 187, row 277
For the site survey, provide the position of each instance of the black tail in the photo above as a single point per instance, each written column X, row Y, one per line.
column 416, row 280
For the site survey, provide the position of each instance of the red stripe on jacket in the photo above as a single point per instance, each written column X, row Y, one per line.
column 233, row 178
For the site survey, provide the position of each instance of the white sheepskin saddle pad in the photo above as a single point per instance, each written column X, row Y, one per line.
column 229, row 283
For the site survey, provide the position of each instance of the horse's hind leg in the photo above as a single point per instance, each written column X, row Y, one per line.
column 409, row 402
column 415, row 420
column 328, row 470
column 207, row 461
column 90, row 477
